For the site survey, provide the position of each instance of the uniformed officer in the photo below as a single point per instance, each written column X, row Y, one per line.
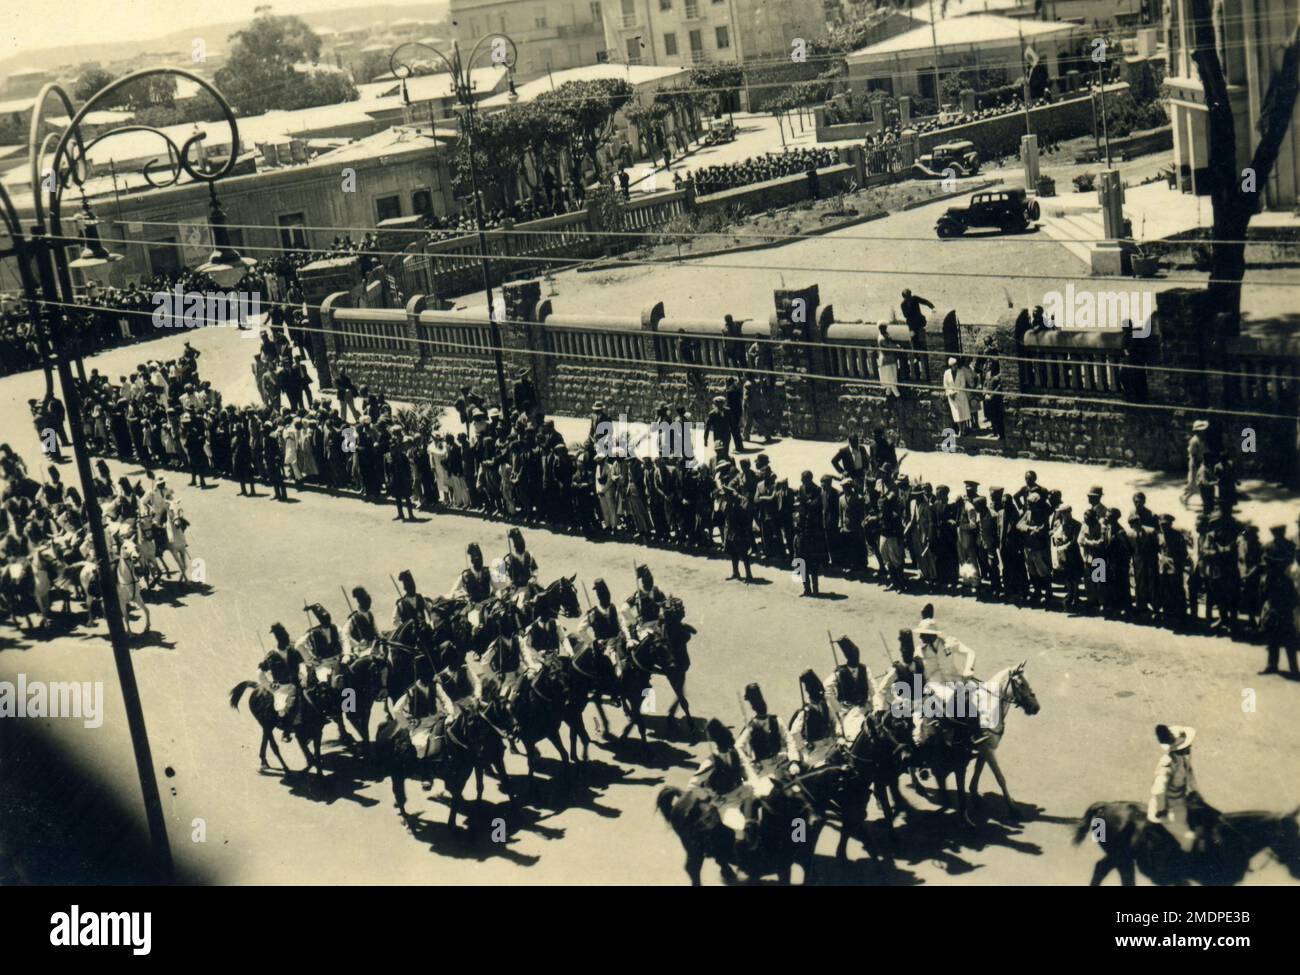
column 648, row 600
column 764, row 741
column 520, row 566
column 411, row 607
column 362, row 631
column 281, row 666
column 476, row 581
column 812, row 726
column 1174, row 782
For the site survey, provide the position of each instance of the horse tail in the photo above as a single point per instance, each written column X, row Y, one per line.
column 237, row 692
column 1094, row 812
column 668, row 795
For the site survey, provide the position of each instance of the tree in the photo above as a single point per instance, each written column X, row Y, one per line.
column 90, row 81
column 1234, row 196
column 586, row 109
column 260, row 73
column 716, row 86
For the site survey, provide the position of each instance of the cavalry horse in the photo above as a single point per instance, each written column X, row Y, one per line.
column 842, row 787
column 1130, row 841
column 1008, row 688
column 953, row 740
column 467, row 744
column 593, row 676
column 307, row 726
column 775, row 848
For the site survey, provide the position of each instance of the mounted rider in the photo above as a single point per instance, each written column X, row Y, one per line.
column 540, row 643
column 947, row 691
column 813, row 726
column 282, row 666
column 605, row 625
column 646, row 602
column 325, row 646
column 765, row 746
column 362, row 633
column 475, row 583
column 723, row 776
column 458, row 687
column 418, row 711
column 411, row 607
column 849, row 687
column 1174, row 786
column 518, row 563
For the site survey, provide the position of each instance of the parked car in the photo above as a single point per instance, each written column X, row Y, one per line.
column 960, row 159
column 719, row 130
column 1008, row 210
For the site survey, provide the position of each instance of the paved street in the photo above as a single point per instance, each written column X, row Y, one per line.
column 1102, row 687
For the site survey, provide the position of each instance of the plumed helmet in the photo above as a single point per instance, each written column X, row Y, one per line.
column 754, row 697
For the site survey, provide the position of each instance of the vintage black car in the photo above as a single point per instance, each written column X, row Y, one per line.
column 1010, row 211
column 958, row 159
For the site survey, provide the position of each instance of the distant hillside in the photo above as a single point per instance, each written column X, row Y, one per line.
column 179, row 40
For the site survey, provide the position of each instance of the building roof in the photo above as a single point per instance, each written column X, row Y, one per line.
column 966, row 8
column 396, row 140
column 962, row 33
column 636, row 75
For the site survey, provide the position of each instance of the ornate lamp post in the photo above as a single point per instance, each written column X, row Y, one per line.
column 57, row 162
column 504, row 53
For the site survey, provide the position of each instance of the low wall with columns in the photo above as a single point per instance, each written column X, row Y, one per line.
column 1091, row 395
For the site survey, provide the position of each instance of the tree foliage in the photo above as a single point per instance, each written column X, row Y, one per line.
column 260, row 73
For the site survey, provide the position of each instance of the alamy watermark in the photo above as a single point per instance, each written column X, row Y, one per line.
column 179, row 308
column 82, row 700
column 1086, row 308
column 674, row 438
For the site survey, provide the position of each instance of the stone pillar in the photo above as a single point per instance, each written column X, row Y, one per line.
column 521, row 334
column 904, row 109
column 795, row 320
column 909, row 146
column 1029, row 160
column 414, row 305
column 319, row 280
column 968, row 100
column 1108, row 255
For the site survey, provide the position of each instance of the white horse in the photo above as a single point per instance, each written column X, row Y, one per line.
column 128, row 586
column 177, row 543
column 996, row 697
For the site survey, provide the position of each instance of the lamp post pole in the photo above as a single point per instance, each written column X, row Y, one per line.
column 54, row 166
column 504, row 53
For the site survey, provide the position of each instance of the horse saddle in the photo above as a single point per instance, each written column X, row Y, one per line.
column 852, row 721
column 283, row 696
column 427, row 736
column 330, row 673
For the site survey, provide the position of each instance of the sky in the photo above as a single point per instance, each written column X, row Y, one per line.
column 26, row 26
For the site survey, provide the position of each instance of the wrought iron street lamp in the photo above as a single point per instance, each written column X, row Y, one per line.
column 504, row 53
column 56, row 162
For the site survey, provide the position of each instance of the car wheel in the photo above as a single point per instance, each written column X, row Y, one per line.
column 1032, row 210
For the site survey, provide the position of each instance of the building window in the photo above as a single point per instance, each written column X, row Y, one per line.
column 697, row 44
column 629, row 13
column 665, row 4
column 388, row 207
column 422, row 202
column 722, row 37
column 539, row 17
column 596, row 15
column 634, row 50
column 293, row 233
column 670, row 44
column 602, row 57
column 692, row 9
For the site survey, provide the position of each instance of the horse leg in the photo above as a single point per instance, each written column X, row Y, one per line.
column 694, row 863
column 1126, row 873
column 398, row 780
column 503, row 777
column 306, row 751
column 600, row 712
column 1104, row 866
column 1002, row 784
column 268, row 733
column 554, row 739
column 261, row 752
column 959, row 774
column 881, row 790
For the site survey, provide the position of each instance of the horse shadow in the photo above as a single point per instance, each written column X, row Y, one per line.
column 828, row 870
column 342, row 779
column 657, row 752
column 489, row 830
column 151, row 639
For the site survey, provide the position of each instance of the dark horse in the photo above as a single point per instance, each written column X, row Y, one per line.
column 593, row 676
column 307, row 726
column 468, row 744
column 1128, row 840
column 784, row 834
column 874, row 760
